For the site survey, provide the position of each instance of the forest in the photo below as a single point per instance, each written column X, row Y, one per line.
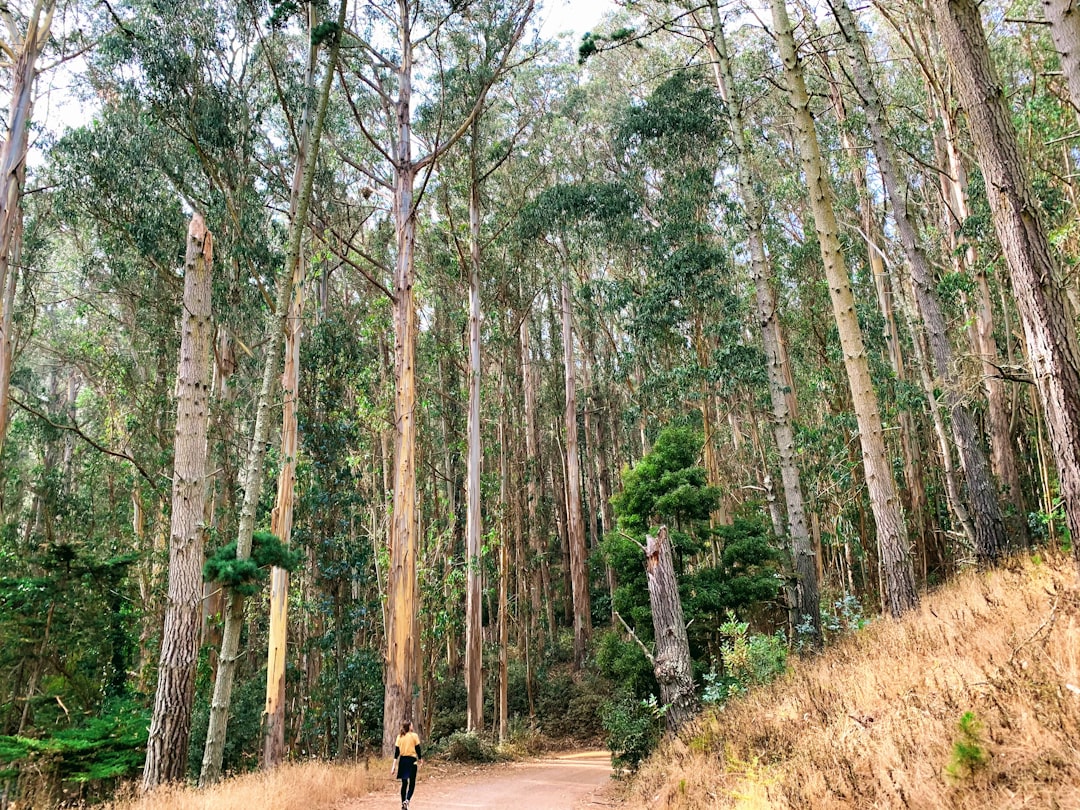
column 383, row 360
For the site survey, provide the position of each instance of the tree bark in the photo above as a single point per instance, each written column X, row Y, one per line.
column 474, row 640
column 953, row 180
column 1064, row 19
column 575, row 528
column 24, row 71
column 897, row 573
column 402, row 645
column 170, row 726
column 671, row 663
column 538, row 551
column 807, row 600
column 1049, row 324
column 990, row 539
column 504, row 571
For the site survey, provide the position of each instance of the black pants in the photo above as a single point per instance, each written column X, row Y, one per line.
column 407, row 775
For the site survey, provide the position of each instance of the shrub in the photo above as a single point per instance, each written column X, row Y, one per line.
column 846, row 615
column 746, row 659
column 468, row 746
column 94, row 754
column 622, row 662
column 968, row 754
column 633, row 729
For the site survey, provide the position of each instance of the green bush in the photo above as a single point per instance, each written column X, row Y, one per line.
column 95, row 753
column 468, row 746
column 623, row 662
column 746, row 659
column 633, row 729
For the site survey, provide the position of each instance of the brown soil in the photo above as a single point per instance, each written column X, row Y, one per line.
column 571, row 781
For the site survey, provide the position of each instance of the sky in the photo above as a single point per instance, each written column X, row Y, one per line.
column 576, row 16
column 58, row 108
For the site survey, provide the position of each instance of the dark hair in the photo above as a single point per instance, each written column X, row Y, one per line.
column 406, row 727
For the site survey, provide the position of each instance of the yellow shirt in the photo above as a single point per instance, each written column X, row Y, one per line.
column 407, row 743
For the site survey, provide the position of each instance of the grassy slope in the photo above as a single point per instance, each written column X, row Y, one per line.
column 873, row 722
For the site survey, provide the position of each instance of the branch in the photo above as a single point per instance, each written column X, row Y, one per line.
column 632, row 540
column 74, row 428
column 633, row 635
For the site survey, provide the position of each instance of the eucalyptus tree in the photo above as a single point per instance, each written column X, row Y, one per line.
column 30, row 33
column 990, row 540
column 896, row 568
column 777, row 360
column 396, row 39
column 1048, row 318
column 290, row 308
column 486, row 148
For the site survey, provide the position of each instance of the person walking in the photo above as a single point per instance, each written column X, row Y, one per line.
column 407, row 758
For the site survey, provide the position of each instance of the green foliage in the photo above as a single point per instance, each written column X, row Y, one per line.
column 846, row 615
column 624, row 663
column 324, row 31
column 969, row 755
column 747, row 576
column 283, row 10
column 109, row 746
column 468, row 746
column 587, row 209
column 633, row 726
column 246, row 576
column 567, row 707
column 747, row 660
column 592, row 42
column 667, row 485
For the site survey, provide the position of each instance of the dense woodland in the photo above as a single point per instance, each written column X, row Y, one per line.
column 352, row 355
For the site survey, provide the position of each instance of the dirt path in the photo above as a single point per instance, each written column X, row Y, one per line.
column 574, row 781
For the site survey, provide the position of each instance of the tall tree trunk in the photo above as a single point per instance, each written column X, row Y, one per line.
column 575, row 528
column 537, row 546
column 671, row 664
column 474, row 640
column 281, row 520
column 898, row 575
column 170, row 726
column 1049, row 323
column 402, row 645
column 990, row 540
column 277, row 325
column 953, row 180
column 504, row 570
column 1064, row 19
column 24, row 71
column 803, row 555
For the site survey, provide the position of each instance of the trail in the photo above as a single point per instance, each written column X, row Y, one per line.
column 575, row 781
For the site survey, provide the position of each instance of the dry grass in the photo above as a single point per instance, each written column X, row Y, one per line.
column 303, row 786
column 874, row 721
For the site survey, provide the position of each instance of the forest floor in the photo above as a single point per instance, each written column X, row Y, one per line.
column 570, row 781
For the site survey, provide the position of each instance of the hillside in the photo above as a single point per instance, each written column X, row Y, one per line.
column 876, row 720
